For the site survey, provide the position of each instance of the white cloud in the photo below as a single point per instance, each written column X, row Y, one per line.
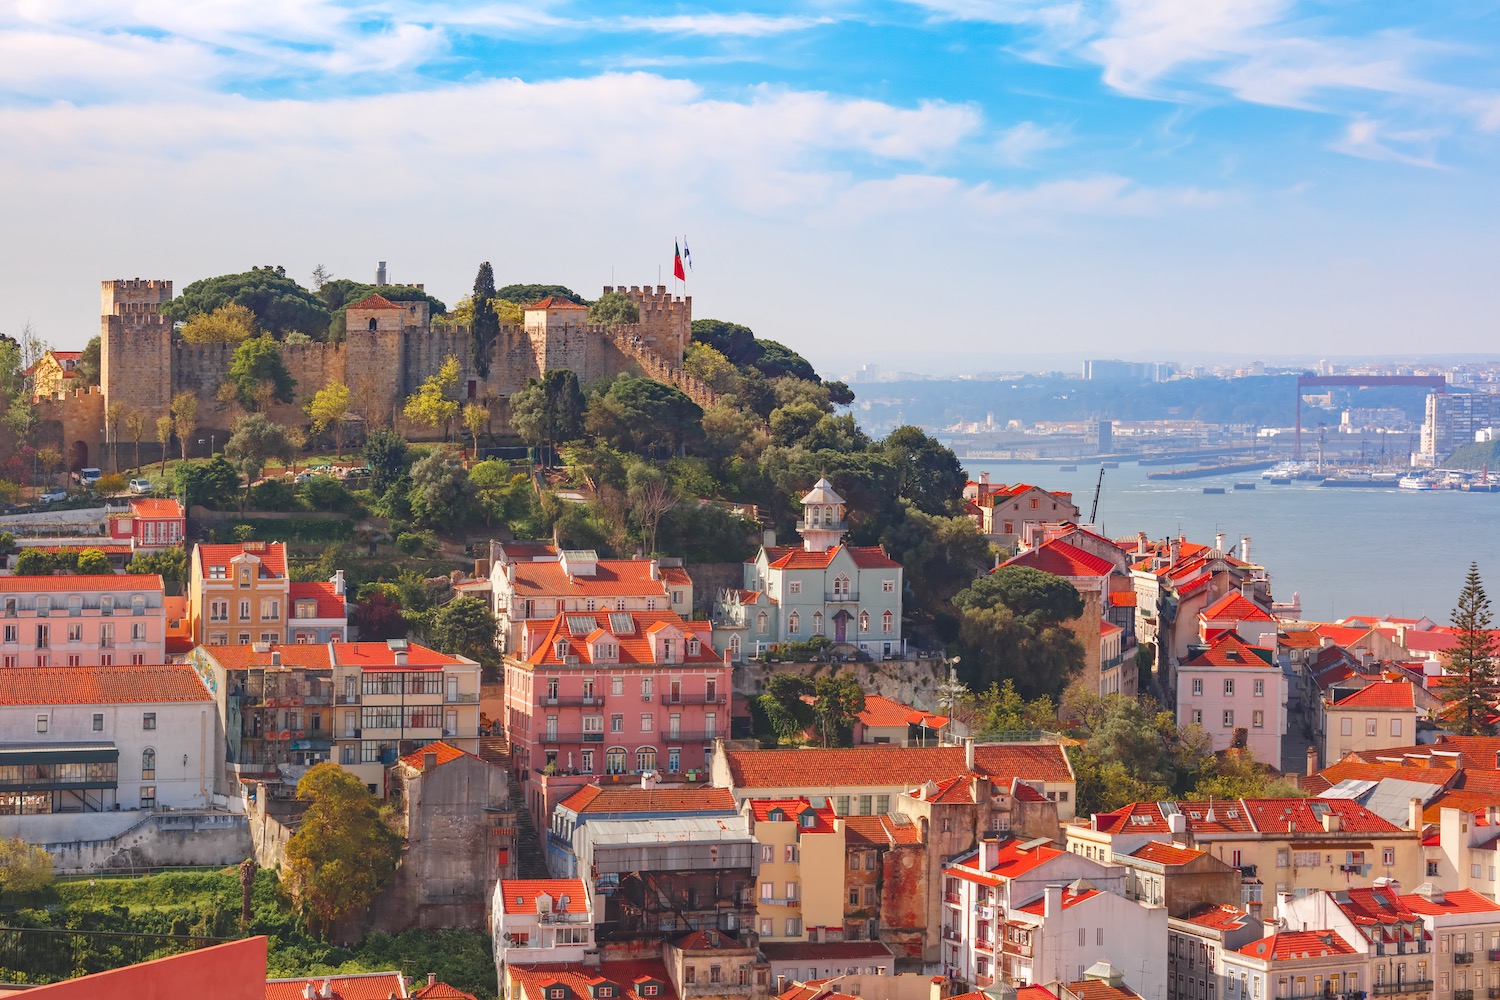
column 1020, row 144
column 741, row 24
column 1374, row 140
column 1104, row 194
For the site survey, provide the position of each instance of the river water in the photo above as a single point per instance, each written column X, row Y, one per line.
column 1363, row 551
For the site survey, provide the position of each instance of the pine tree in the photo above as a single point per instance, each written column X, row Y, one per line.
column 1470, row 685
column 486, row 325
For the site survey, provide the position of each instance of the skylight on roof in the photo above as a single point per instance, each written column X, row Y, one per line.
column 620, row 623
column 1141, row 820
column 582, row 624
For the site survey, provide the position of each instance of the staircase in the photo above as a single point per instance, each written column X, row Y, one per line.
column 531, row 859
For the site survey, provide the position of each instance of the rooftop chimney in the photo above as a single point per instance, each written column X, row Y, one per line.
column 1052, row 902
column 968, row 753
column 1414, row 814
column 338, row 582
column 1245, row 548
column 1142, row 546
column 1312, row 760
column 429, row 761
column 1332, row 822
column 1219, row 541
column 431, row 978
column 984, row 479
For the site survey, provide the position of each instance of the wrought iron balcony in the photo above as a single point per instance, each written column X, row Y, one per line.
column 550, row 737
column 1407, row 986
column 700, row 698
column 691, row 735
column 1463, row 958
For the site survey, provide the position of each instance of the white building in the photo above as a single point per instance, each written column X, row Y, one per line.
column 541, row 921
column 1071, row 927
column 96, row 739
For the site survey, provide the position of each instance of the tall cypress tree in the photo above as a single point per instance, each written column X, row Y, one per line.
column 1471, row 663
column 486, row 325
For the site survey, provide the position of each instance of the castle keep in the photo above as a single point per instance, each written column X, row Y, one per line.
column 389, row 350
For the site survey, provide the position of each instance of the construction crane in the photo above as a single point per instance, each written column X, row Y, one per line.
column 1094, row 514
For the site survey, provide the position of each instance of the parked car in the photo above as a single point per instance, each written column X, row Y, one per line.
column 88, row 477
column 140, row 486
column 52, row 496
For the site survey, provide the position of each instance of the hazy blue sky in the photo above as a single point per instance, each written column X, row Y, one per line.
column 931, row 184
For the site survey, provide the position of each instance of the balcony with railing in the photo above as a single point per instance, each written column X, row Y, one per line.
column 461, row 698
column 1463, row 995
column 549, row 736
column 573, row 701
column 1494, row 993
column 691, row 735
column 1016, row 948
column 953, row 934
column 846, row 597
column 1463, row 958
column 822, row 526
column 952, row 897
column 698, row 698
column 1494, row 954
column 1405, row 986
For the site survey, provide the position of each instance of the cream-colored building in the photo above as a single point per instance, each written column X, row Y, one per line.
column 1279, row 845
column 800, row 878
column 238, row 594
column 1374, row 717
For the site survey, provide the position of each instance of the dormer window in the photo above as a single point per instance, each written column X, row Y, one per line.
column 557, row 992
column 244, row 576
column 776, row 816
column 216, row 573
column 562, row 648
column 693, row 647
column 807, row 820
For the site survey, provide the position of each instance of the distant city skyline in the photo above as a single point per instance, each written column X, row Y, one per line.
column 933, row 185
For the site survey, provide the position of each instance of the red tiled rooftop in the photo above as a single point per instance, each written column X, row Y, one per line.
column 156, row 507
column 855, row 767
column 884, row 713
column 591, row 799
column 1011, row 860
column 634, row 646
column 119, row 684
column 1235, row 606
column 865, row 557
column 554, row 302
column 441, row 991
column 1453, row 901
column 374, row 301
column 329, row 603
column 1295, row 944
column 1061, row 559
column 1230, row 651
column 379, row 656
column 1217, row 915
column 307, row 656
column 272, row 556
column 1159, row 853
column 1122, row 598
column 792, row 811
column 83, row 583
column 445, row 754
column 610, row 578
column 1387, row 694
column 880, row 831
column 1300, row 639
column 1094, row 989
column 519, row 895
column 1038, row 906
column 529, row 981
column 361, row 986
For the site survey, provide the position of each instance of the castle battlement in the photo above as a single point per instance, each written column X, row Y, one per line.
column 122, row 293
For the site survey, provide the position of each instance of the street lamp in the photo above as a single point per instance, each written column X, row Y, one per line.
column 210, row 445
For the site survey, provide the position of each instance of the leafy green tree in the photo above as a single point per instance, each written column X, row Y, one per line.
column 650, row 496
column 340, row 293
column 644, row 416
column 34, row 562
column 385, row 453
column 476, row 418
column 228, row 324
column 378, row 617
column 940, row 556
column 257, row 375
column 23, row 867
column 136, row 423
column 88, row 365
column 485, row 327
column 430, row 404
column 212, row 484
column 342, row 852
column 15, row 391
column 8, row 544
column 1002, row 709
column 927, row 472
column 700, row 532
column 837, row 702
column 280, row 304
column 527, row 294
column 1471, row 678
column 328, row 408
column 326, row 493
column 777, row 359
column 839, row 393
column 164, row 439
column 614, row 308
column 465, row 626
column 1011, row 625
column 253, row 442
column 786, row 713
column 441, row 493
column 710, row 367
column 733, row 341
column 791, row 423
column 1235, row 775
column 93, row 562
column 549, row 412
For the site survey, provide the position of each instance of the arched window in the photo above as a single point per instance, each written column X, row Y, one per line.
column 793, row 623
column 645, row 759
column 138, row 604
column 762, row 623
column 614, row 760
column 864, row 621
column 841, row 586
column 148, row 764
column 372, row 324
column 887, row 622
column 817, row 623
column 734, row 647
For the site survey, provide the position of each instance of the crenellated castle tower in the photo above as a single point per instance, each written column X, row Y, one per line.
column 135, row 357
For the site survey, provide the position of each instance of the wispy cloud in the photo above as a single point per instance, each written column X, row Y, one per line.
column 1020, row 144
column 745, row 25
column 1374, row 140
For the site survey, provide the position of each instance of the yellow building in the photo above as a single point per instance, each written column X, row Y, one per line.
column 53, row 373
column 800, row 877
column 1376, row 717
column 238, row 594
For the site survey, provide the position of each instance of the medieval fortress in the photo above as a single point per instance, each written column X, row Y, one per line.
column 389, row 350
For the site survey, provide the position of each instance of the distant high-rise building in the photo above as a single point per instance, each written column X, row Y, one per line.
column 1453, row 419
column 1115, row 370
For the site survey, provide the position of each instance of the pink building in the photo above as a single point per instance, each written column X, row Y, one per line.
column 153, row 523
column 1237, row 693
column 612, row 693
column 81, row 621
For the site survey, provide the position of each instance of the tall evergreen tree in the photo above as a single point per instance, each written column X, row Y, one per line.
column 486, row 325
column 1471, row 679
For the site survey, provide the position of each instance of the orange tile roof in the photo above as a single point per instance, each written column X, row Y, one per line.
column 109, row 550
column 611, row 578
column 156, row 507
column 1245, row 816
column 1355, row 769
column 1297, row 944
column 1298, row 814
column 795, row 557
column 379, row 656
column 1159, row 853
column 446, row 754
column 1469, row 801
column 555, row 302
column 1453, row 901
column 304, row 656
column 1027, row 993
column 1217, row 915
column 441, row 991
column 1011, row 861
column 272, row 556
column 519, row 895
column 1122, row 598
column 880, row 831
column 1230, row 651
column 634, row 646
column 1109, row 628
column 676, row 575
column 527, row 982
column 374, row 301
column 360, row 986
column 1061, row 559
column 1038, row 906
column 330, row 604
column 119, row 684
column 884, row 713
column 100, row 582
column 1235, row 606
column 591, row 799
column 1388, row 694
column 792, row 811
column 891, row 765
column 1303, row 638
column 1094, row 989
column 784, row 951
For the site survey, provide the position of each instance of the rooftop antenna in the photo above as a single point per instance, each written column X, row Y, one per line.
column 1094, row 513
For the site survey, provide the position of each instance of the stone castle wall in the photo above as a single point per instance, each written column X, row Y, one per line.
column 386, row 356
